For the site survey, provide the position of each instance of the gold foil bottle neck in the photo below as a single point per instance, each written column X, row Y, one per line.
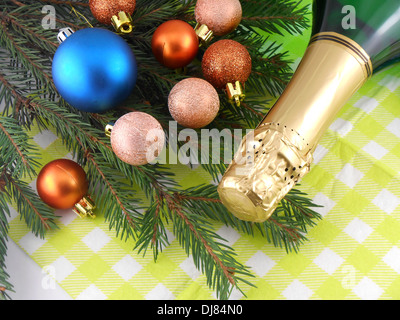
column 333, row 68
column 269, row 163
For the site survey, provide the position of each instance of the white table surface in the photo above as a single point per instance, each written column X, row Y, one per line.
column 29, row 280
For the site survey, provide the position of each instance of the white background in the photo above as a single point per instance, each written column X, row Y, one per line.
column 29, row 280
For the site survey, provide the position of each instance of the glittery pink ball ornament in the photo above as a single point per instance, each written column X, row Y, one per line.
column 220, row 16
column 193, row 103
column 137, row 138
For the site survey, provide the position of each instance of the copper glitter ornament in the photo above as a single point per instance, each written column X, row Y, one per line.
column 137, row 138
column 193, row 103
column 114, row 12
column 175, row 44
column 227, row 65
column 62, row 184
column 217, row 17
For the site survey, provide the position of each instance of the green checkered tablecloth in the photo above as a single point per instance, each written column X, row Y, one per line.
column 353, row 253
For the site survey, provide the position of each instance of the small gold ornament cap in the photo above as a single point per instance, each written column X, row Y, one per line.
column 204, row 33
column 235, row 93
column 122, row 22
column 108, row 129
column 85, row 208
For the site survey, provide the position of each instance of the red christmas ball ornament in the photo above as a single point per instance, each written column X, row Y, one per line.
column 137, row 138
column 114, row 12
column 62, row 184
column 193, row 103
column 175, row 44
column 227, row 65
column 217, row 17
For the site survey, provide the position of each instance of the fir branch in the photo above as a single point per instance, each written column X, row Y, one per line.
column 210, row 254
column 153, row 233
column 36, row 18
column 251, row 112
column 196, row 236
column 33, row 33
column 72, row 129
column 38, row 217
column 38, row 106
column 300, row 208
column 30, row 14
column 119, row 207
column 16, row 150
column 286, row 227
column 271, row 69
column 50, row 112
column 80, row 138
column 68, row 3
column 18, row 3
column 275, row 16
column 31, row 57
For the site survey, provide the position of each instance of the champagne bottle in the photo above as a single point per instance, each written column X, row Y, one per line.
column 375, row 26
column 350, row 39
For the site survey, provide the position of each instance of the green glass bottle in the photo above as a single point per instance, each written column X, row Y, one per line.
column 373, row 24
column 351, row 39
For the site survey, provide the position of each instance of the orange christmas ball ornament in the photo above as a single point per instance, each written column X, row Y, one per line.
column 62, row 184
column 175, row 44
column 115, row 12
column 226, row 61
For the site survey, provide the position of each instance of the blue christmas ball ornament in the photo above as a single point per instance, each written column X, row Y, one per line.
column 94, row 69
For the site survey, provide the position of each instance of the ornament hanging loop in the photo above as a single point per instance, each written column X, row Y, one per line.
column 85, row 208
column 81, row 16
column 235, row 93
column 122, row 22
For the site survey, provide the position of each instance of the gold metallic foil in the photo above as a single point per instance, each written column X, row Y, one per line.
column 85, row 208
column 333, row 68
column 204, row 33
column 108, row 129
column 235, row 93
column 122, row 22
